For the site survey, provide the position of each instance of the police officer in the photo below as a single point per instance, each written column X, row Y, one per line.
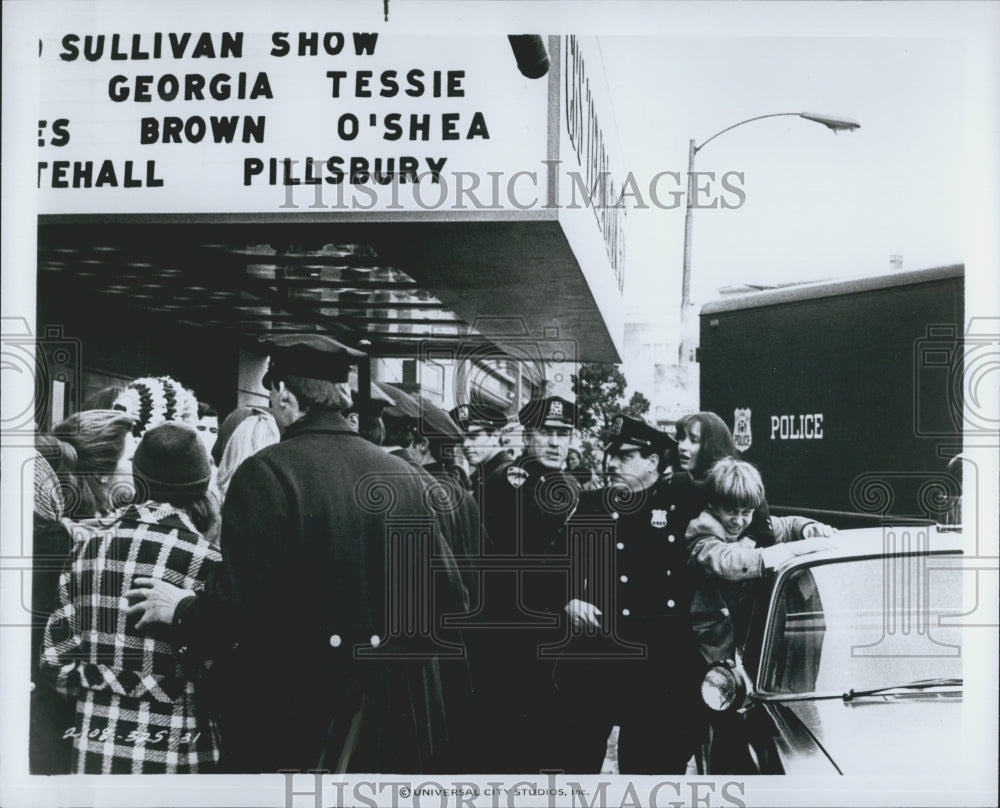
column 525, row 507
column 633, row 660
column 549, row 497
column 482, row 427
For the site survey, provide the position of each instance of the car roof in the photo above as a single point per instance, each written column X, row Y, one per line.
column 876, row 542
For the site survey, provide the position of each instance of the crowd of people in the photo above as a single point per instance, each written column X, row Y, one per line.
column 357, row 581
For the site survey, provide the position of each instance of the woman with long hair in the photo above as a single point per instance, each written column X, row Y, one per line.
column 244, row 432
column 703, row 438
column 97, row 470
column 137, row 707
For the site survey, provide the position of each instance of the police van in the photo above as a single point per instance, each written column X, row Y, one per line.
column 847, row 395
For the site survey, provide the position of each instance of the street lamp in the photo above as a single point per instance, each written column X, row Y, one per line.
column 835, row 123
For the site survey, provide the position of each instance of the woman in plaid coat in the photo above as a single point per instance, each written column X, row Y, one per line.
column 137, row 705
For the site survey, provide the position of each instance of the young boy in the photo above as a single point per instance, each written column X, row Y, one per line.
column 728, row 560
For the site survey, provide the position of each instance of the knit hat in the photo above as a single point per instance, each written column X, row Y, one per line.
column 151, row 401
column 171, row 461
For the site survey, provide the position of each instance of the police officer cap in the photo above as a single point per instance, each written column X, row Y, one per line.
column 376, row 403
column 314, row 356
column 481, row 415
column 402, row 405
column 416, row 411
column 627, row 433
column 548, row 412
column 434, row 422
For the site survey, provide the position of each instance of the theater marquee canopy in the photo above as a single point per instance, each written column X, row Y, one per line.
column 399, row 189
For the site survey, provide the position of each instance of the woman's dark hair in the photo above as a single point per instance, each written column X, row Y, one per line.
column 103, row 399
column 204, row 510
column 98, row 438
column 203, row 507
column 716, row 440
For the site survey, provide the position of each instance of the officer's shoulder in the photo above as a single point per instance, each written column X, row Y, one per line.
column 496, row 467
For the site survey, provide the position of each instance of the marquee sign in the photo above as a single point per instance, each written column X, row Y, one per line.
column 233, row 119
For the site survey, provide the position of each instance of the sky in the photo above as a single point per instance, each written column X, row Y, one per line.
column 818, row 204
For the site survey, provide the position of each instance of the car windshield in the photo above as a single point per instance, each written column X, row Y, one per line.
column 861, row 624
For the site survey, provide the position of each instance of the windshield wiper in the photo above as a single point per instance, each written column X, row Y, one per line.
column 920, row 684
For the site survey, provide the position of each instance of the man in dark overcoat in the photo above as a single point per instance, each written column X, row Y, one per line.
column 421, row 430
column 633, row 660
column 331, row 551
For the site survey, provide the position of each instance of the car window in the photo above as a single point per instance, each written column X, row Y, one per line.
column 865, row 623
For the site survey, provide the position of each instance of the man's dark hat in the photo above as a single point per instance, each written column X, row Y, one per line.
column 315, row 356
column 548, row 412
column 481, row 415
column 626, row 433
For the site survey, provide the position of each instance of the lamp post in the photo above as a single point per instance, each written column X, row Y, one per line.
column 835, row 123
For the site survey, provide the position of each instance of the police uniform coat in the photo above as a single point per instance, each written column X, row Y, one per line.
column 326, row 672
column 641, row 669
column 525, row 507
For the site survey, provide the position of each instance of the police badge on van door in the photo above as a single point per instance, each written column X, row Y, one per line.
column 741, row 429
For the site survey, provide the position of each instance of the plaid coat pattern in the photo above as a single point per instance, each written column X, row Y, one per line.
column 137, row 706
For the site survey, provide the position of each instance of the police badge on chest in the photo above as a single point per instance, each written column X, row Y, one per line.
column 517, row 476
column 658, row 518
